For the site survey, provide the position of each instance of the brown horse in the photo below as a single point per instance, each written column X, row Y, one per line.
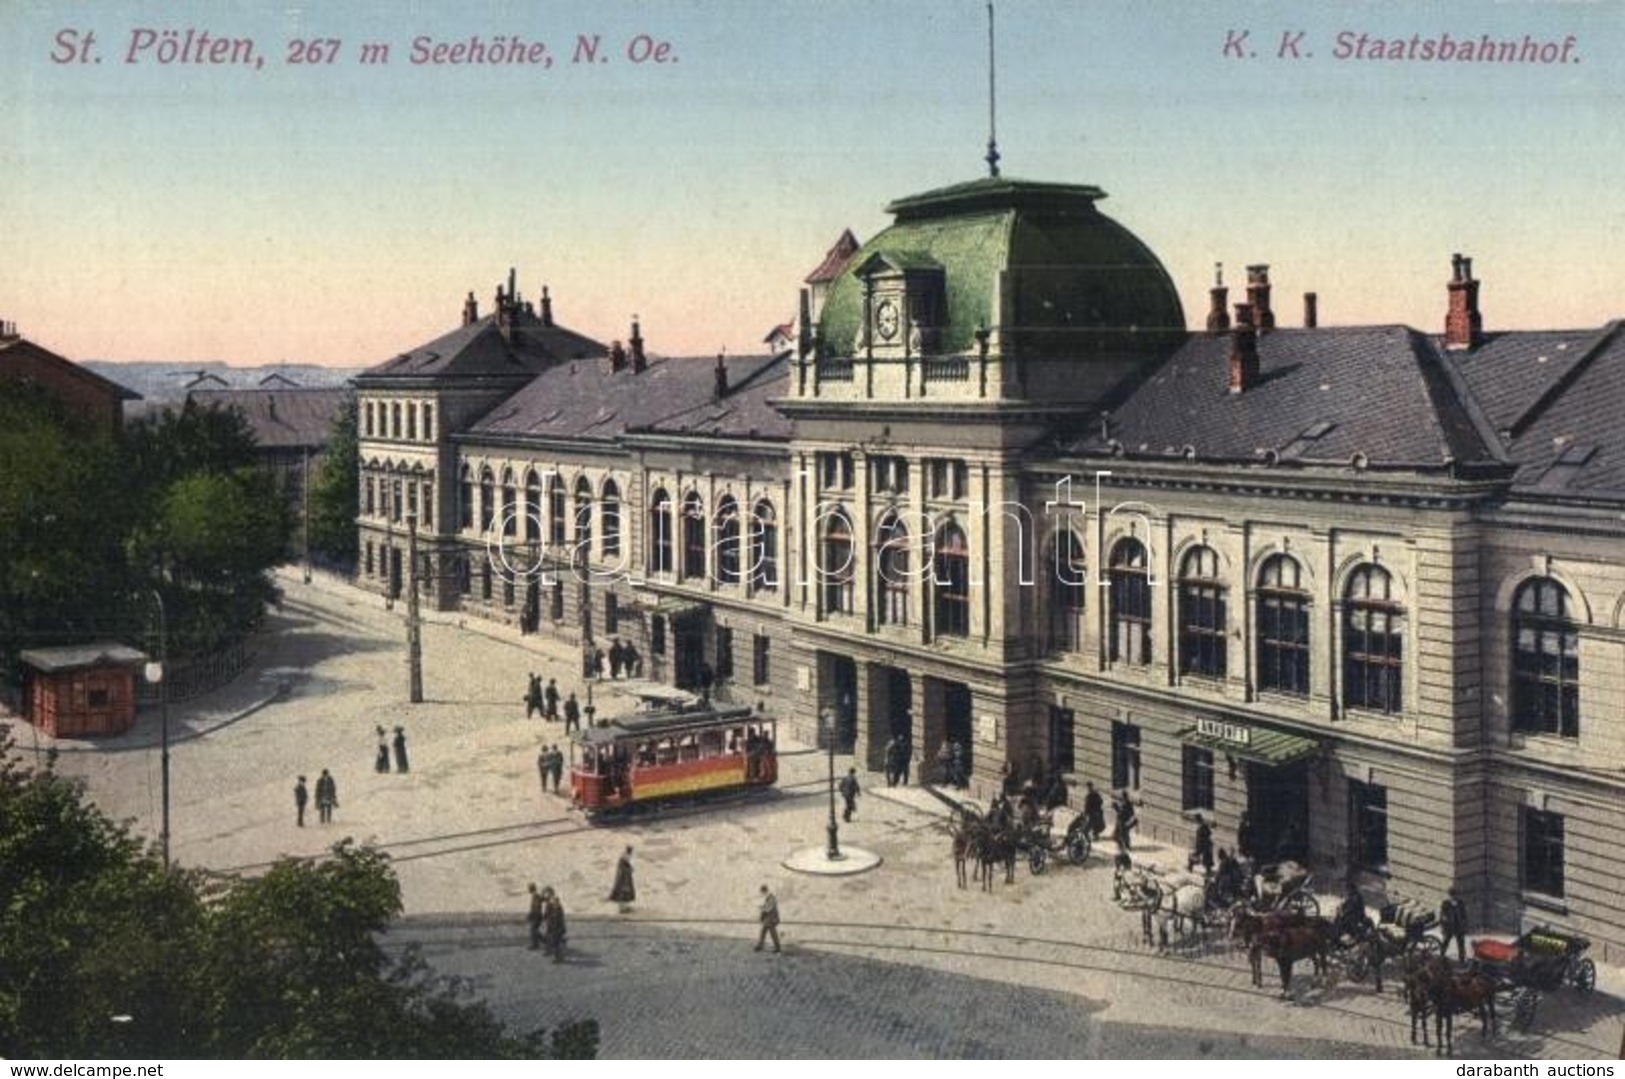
column 1452, row 991
column 1418, row 995
column 1248, row 928
column 963, row 845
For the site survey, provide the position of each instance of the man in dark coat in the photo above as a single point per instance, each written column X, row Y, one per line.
column 615, row 658
column 904, row 751
column 555, row 766
column 400, row 750
column 544, row 765
column 1453, row 923
column 327, row 796
column 849, row 792
column 552, row 698
column 1094, row 811
column 533, row 696
column 623, row 891
column 891, row 762
column 1127, row 821
column 534, row 917
column 768, row 915
column 553, row 925
column 380, row 762
column 1202, row 848
column 1246, row 839
column 301, row 797
column 631, row 660
column 572, row 715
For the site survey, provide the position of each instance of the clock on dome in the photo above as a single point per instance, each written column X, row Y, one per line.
column 886, row 320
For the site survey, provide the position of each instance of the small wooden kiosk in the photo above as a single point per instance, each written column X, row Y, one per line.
column 81, row 690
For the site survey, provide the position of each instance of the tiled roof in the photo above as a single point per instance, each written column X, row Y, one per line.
column 480, row 349
column 835, row 259
column 24, row 348
column 1574, row 443
column 281, row 418
column 1510, row 372
column 1323, row 395
column 586, row 400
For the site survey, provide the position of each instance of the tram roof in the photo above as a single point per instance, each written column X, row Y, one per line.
column 654, row 724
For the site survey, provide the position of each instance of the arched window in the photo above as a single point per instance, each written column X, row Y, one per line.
column 584, row 517
column 764, row 548
column 1373, row 642
column 487, row 499
column 950, row 579
column 693, row 535
column 1283, row 627
column 510, row 521
column 1545, row 660
column 533, row 505
column 660, row 555
column 1130, row 574
column 727, row 541
column 556, row 512
column 611, row 513
column 1071, row 593
column 465, row 499
column 1202, row 620
column 892, row 580
column 837, row 565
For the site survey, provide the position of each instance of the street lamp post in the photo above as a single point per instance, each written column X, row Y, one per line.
column 155, row 673
column 834, row 851
column 414, row 627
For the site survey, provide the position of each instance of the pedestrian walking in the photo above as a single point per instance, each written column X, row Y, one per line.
column 631, row 661
column 533, row 696
column 327, row 797
column 301, row 797
column 534, row 917
column 380, row 762
column 1453, row 924
column 553, row 925
column 544, row 764
column 555, row 767
column 1246, row 839
column 1094, row 812
column 1202, row 847
column 905, row 750
column 891, row 762
column 400, row 750
column 849, row 792
column 572, row 715
column 768, row 915
column 623, row 891
column 1127, row 821
column 615, row 658
column 551, row 697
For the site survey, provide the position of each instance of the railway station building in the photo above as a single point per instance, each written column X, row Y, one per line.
column 1363, row 584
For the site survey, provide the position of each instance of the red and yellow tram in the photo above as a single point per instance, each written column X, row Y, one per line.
column 671, row 753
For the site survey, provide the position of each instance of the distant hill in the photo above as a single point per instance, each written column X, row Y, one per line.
column 162, row 384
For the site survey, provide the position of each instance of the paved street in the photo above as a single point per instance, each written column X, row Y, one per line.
column 896, row 958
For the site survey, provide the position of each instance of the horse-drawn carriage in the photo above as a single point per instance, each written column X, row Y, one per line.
column 1038, row 839
column 1542, row 959
column 1284, row 886
column 1401, row 932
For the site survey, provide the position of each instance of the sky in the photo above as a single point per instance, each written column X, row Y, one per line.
column 338, row 212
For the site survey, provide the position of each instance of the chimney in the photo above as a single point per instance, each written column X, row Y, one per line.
column 1463, row 325
column 471, row 309
column 722, row 377
column 804, row 325
column 504, row 305
column 617, row 356
column 547, row 308
column 1243, row 351
column 1311, row 310
column 639, row 362
column 1218, row 315
column 1258, row 296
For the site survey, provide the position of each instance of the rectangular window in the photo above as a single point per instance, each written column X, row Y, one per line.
column 428, row 423
column 759, row 666
column 1125, row 756
column 556, row 602
column 99, row 697
column 507, row 592
column 1368, row 825
column 890, row 474
column 1062, row 737
column 948, row 478
column 1543, row 852
column 1197, row 788
column 725, row 653
column 835, row 470
column 612, row 613
column 369, row 559
column 657, row 635
column 412, row 420
column 428, row 503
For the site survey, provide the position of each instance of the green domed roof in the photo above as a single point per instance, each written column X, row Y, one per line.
column 1073, row 280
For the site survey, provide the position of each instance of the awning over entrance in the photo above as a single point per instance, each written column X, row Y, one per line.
column 1261, row 745
column 671, row 607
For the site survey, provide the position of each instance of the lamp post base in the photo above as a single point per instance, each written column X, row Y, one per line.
column 833, row 853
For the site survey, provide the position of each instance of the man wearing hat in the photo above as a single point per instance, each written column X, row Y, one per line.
column 1453, row 923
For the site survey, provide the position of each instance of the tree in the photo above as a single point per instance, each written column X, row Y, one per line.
column 336, row 491
column 105, row 953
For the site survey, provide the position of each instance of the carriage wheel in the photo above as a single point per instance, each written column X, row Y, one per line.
column 1359, row 965
column 1428, row 947
column 1036, row 859
column 1304, row 903
column 1077, row 848
column 1523, row 1009
column 1585, row 976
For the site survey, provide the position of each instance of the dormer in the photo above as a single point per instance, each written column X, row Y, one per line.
column 904, row 303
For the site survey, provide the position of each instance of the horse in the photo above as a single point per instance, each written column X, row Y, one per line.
column 1288, row 944
column 1451, row 991
column 1175, row 901
column 964, row 844
column 1418, row 996
column 1248, row 925
column 996, row 846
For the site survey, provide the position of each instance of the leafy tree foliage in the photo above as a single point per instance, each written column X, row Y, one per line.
column 336, row 492
column 103, row 952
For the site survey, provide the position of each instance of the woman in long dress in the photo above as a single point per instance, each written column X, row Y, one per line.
column 623, row 891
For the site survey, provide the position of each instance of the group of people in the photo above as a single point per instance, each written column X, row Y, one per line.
column 621, row 658
column 953, row 762
column 898, row 752
column 327, row 798
column 546, row 920
column 545, row 701
column 381, row 760
column 550, row 763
